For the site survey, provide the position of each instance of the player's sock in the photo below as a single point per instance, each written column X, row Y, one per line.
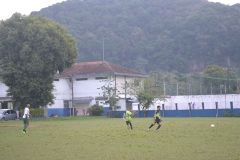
column 150, row 126
column 158, row 127
column 131, row 125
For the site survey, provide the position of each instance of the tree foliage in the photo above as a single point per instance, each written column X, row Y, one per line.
column 149, row 86
column 145, row 90
column 169, row 35
column 110, row 92
column 31, row 49
column 219, row 77
column 145, row 99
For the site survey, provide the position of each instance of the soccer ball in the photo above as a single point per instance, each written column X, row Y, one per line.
column 212, row 125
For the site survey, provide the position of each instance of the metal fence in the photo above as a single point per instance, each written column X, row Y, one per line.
column 198, row 88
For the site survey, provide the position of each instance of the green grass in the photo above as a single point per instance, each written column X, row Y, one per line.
column 108, row 138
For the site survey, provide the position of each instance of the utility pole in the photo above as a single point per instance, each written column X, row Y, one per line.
column 228, row 69
column 72, row 112
column 164, row 89
column 211, row 88
column 103, row 48
column 200, row 88
column 177, row 89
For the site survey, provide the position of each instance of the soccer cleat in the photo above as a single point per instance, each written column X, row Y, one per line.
column 148, row 129
column 24, row 132
column 157, row 130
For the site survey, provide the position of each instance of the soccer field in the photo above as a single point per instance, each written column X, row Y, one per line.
column 108, row 138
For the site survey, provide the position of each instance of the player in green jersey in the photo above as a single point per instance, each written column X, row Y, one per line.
column 128, row 116
column 157, row 119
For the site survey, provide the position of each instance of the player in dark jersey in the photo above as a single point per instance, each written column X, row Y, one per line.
column 157, row 119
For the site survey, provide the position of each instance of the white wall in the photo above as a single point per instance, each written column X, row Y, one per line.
column 86, row 88
column 3, row 89
column 62, row 91
column 209, row 101
column 120, row 82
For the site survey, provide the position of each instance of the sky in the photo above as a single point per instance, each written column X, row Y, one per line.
column 25, row 7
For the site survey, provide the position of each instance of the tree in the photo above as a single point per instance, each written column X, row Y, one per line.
column 145, row 100
column 145, row 90
column 149, row 86
column 110, row 92
column 32, row 48
column 218, row 76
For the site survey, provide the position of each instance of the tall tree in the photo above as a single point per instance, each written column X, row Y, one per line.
column 32, row 48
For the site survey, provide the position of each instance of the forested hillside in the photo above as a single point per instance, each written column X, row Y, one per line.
column 152, row 35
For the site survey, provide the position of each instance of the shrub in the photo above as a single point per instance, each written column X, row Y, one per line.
column 229, row 113
column 34, row 112
column 95, row 110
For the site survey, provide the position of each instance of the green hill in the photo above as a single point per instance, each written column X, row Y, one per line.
column 152, row 35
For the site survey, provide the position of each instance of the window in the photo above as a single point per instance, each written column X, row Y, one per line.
column 66, row 104
column 100, row 78
column 101, row 98
column 117, row 107
column 56, row 79
column 81, row 79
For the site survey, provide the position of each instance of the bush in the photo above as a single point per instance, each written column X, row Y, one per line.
column 34, row 112
column 229, row 113
column 95, row 110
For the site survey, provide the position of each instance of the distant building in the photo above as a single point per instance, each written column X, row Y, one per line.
column 5, row 102
column 81, row 84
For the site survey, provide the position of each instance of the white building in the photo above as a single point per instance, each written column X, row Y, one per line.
column 5, row 102
column 81, row 84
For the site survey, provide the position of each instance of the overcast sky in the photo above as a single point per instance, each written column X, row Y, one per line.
column 25, row 7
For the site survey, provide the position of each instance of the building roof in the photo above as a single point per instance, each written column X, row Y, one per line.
column 100, row 68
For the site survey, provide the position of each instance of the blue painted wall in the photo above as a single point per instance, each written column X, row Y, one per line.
column 63, row 112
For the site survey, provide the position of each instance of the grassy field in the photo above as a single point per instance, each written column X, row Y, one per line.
column 108, row 138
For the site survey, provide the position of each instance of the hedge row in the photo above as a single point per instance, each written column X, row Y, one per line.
column 34, row 112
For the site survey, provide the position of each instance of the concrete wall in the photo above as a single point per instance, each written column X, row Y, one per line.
column 3, row 89
column 209, row 101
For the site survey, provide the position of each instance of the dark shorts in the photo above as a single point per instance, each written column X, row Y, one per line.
column 157, row 120
column 25, row 121
column 128, row 122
